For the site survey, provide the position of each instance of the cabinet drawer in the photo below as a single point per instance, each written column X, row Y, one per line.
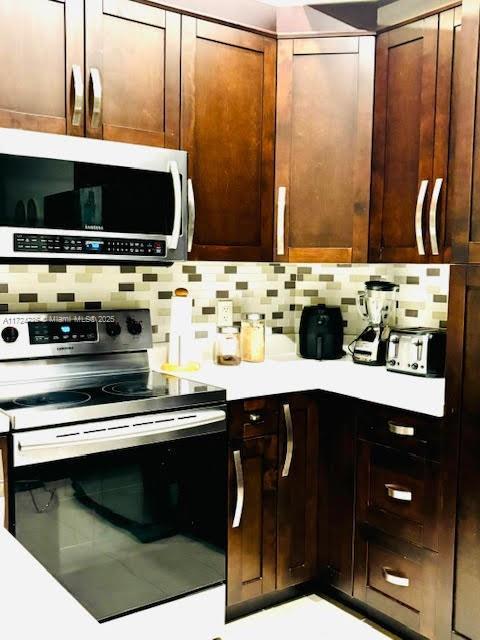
column 399, row 494
column 405, row 431
column 396, row 579
column 253, row 418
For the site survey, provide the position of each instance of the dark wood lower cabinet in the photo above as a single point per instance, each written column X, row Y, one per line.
column 251, row 540
column 273, row 480
column 297, row 491
column 396, row 579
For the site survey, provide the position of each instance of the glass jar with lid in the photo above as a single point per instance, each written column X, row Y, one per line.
column 253, row 337
column 227, row 349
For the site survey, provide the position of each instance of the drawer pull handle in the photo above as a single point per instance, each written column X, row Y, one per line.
column 400, row 430
column 398, row 493
column 395, row 577
column 255, row 417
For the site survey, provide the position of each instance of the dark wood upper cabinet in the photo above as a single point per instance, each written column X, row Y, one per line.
column 417, row 69
column 465, row 198
column 464, row 354
column 132, row 53
column 41, row 44
column 297, row 491
column 324, row 125
column 227, row 127
column 251, row 560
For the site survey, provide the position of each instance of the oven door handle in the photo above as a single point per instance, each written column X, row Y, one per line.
column 177, row 426
column 177, row 220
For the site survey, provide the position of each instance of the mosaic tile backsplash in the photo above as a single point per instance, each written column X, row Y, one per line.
column 280, row 291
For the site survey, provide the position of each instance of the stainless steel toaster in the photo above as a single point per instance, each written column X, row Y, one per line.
column 419, row 352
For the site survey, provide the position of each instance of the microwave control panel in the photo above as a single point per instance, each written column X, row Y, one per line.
column 82, row 245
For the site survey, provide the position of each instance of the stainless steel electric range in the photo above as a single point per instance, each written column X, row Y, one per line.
column 118, row 472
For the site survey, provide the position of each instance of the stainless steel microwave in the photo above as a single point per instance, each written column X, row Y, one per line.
column 75, row 199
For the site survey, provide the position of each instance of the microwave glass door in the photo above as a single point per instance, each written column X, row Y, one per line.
column 128, row 529
column 39, row 193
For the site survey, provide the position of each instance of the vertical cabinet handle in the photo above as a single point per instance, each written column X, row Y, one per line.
column 191, row 213
column 433, row 215
column 395, row 577
column 97, row 100
column 289, row 452
column 400, row 430
column 281, row 206
column 177, row 219
column 398, row 493
column 422, row 192
column 78, row 95
column 237, row 518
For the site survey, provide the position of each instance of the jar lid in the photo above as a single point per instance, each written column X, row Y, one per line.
column 255, row 316
column 228, row 330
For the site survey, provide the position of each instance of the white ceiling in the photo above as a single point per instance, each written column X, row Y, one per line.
column 296, row 3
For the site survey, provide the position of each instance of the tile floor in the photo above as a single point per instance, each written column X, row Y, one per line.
column 309, row 618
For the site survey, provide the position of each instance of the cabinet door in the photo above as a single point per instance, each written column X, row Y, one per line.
column 297, row 491
column 133, row 72
column 440, row 219
column 404, row 123
column 464, row 204
column 228, row 122
column 466, row 283
column 324, row 120
column 337, row 513
column 252, row 518
column 41, row 44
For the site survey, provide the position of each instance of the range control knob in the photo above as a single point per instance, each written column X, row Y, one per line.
column 134, row 326
column 9, row 334
column 392, row 363
column 113, row 329
column 414, row 366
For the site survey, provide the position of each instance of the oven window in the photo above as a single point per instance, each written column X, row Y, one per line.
column 38, row 193
column 125, row 530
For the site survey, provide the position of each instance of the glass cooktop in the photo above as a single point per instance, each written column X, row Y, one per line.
column 62, row 401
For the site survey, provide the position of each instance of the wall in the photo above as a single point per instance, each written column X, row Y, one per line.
column 278, row 290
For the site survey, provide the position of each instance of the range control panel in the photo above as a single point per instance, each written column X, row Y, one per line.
column 30, row 335
column 61, row 332
column 83, row 245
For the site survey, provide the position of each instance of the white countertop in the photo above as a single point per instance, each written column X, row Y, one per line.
column 288, row 373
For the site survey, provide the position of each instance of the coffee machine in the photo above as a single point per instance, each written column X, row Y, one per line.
column 377, row 304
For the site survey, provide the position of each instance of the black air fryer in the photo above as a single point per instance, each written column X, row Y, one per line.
column 321, row 333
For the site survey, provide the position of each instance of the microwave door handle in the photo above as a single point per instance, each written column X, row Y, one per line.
column 177, row 220
column 3, row 497
column 191, row 214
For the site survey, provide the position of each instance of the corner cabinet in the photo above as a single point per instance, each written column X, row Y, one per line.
column 228, row 129
column 273, row 496
column 324, row 129
column 417, row 77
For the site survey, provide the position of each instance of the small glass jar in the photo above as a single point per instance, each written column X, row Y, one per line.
column 253, row 337
column 228, row 346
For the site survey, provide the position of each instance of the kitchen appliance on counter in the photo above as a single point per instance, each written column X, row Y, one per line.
column 377, row 304
column 321, row 333
column 419, row 351
column 118, row 478
column 71, row 198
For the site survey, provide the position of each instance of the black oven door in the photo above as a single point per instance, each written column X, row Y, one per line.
column 129, row 528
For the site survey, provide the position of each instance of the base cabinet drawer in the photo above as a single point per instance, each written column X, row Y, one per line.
column 399, row 494
column 396, row 579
